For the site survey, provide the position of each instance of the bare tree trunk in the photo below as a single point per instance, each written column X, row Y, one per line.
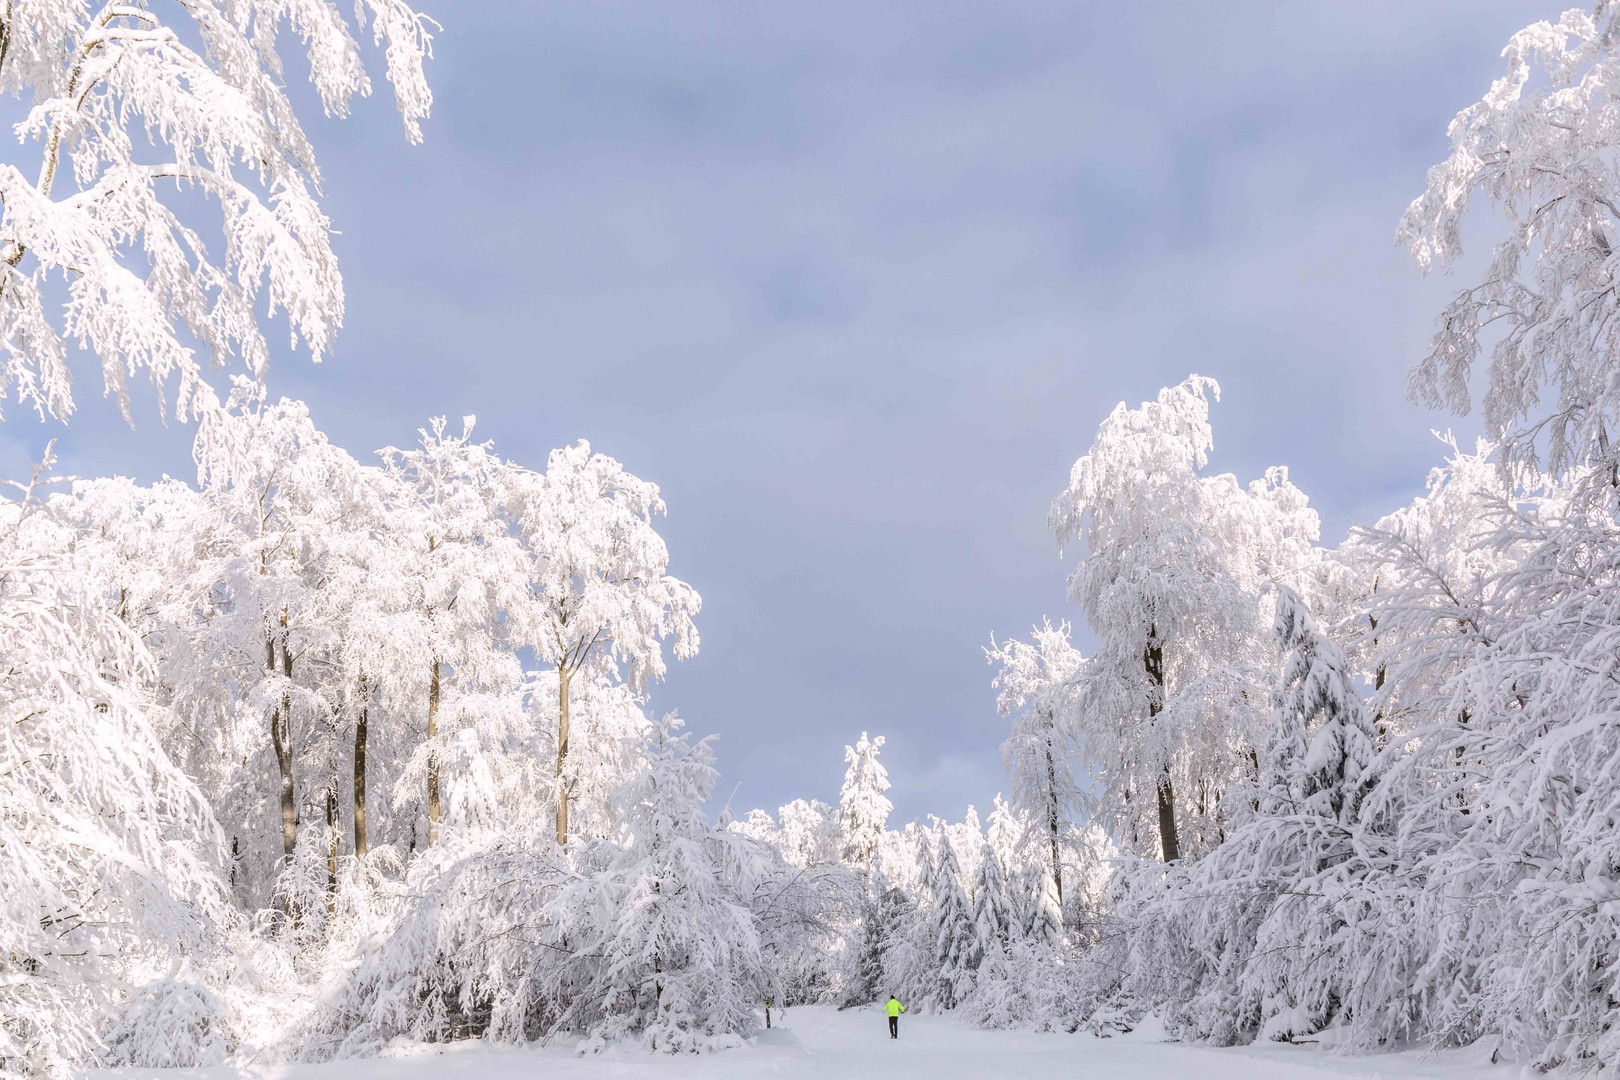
column 1153, row 662
column 562, row 755
column 1168, row 841
column 1052, row 818
column 433, row 756
column 361, row 848
column 331, row 849
column 281, row 740
column 1378, row 681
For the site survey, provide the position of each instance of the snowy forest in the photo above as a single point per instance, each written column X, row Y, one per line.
column 324, row 747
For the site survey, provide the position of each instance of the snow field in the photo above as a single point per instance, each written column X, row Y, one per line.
column 821, row 1043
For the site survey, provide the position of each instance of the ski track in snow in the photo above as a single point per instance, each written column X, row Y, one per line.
column 824, row 1044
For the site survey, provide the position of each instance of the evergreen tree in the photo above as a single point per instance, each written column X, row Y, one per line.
column 862, row 809
column 1336, row 770
column 954, row 940
column 1045, row 923
column 991, row 907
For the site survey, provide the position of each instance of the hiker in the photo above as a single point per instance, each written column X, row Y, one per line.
column 894, row 1009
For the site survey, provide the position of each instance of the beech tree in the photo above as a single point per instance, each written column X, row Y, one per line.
column 1034, row 684
column 599, row 594
column 255, row 630
column 1171, row 579
column 464, row 569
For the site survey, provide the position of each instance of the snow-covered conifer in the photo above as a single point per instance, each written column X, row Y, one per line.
column 951, row 921
column 863, row 811
column 992, row 908
column 681, row 964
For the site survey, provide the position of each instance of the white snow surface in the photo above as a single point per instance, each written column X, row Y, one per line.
column 823, row 1043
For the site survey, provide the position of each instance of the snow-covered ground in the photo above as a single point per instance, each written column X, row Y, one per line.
column 818, row 1043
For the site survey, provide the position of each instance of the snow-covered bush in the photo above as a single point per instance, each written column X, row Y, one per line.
column 175, row 1022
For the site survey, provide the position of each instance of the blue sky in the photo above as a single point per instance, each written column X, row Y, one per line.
column 854, row 283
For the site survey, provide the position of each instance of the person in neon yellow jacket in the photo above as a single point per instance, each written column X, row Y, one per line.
column 894, row 1009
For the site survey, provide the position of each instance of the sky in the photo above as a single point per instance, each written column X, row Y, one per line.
column 854, row 283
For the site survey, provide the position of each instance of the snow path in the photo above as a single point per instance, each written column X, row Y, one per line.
column 818, row 1043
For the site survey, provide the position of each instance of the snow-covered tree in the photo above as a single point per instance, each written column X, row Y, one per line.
column 462, row 569
column 808, row 833
column 863, row 811
column 1175, row 563
column 1044, row 922
column 1541, row 148
column 89, row 209
column 992, row 907
column 1319, row 701
column 254, row 628
column 951, row 920
column 681, row 966
column 1034, row 683
column 599, row 593
column 110, row 854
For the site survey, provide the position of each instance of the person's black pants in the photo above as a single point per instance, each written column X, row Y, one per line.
column 894, row 1027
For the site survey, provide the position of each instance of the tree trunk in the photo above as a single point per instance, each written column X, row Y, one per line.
column 361, row 847
column 562, row 756
column 433, row 756
column 1168, row 841
column 281, row 740
column 1153, row 662
column 1052, row 818
column 331, row 849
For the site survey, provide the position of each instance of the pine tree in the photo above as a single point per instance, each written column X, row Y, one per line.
column 866, row 973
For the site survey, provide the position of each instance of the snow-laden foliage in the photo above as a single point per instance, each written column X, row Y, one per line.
column 956, row 942
column 134, row 110
column 1034, row 683
column 1541, row 149
column 680, row 961
column 110, row 855
column 1279, row 932
column 314, row 755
